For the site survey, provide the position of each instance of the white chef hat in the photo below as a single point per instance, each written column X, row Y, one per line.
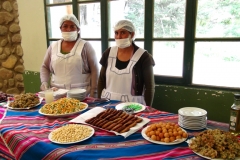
column 69, row 17
column 124, row 24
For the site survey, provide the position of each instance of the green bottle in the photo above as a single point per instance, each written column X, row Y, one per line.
column 234, row 124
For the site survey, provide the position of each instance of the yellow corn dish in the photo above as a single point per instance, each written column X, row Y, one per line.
column 63, row 106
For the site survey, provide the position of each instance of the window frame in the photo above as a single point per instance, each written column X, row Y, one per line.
column 189, row 38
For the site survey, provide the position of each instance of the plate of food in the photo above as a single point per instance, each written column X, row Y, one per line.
column 63, row 107
column 165, row 133
column 112, row 120
column 24, row 101
column 215, row 144
column 131, row 107
column 71, row 133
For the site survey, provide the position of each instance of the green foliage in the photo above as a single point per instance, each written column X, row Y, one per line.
column 216, row 18
column 135, row 13
column 231, row 59
column 169, row 17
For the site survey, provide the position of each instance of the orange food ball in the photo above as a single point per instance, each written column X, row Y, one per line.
column 152, row 133
column 153, row 137
column 172, row 139
column 180, row 133
column 167, row 140
column 161, row 135
column 166, row 135
column 175, row 133
column 170, row 134
column 184, row 135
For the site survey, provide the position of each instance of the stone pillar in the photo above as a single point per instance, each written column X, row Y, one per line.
column 11, row 52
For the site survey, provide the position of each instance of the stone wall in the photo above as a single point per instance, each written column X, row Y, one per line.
column 11, row 52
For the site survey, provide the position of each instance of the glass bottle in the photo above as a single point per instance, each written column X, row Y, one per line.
column 234, row 124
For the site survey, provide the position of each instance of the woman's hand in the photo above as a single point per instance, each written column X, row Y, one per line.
column 54, row 89
column 44, row 86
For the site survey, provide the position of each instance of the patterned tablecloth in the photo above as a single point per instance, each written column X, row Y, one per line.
column 24, row 135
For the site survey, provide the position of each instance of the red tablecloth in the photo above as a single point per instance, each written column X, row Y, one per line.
column 24, row 135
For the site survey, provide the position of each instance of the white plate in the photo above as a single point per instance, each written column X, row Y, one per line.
column 159, row 142
column 192, row 128
column 63, row 115
column 122, row 105
column 50, row 137
column 76, row 91
column 212, row 158
column 201, row 155
column 40, row 101
column 192, row 118
column 192, row 111
column 58, row 93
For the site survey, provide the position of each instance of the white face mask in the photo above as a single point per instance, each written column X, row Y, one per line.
column 70, row 36
column 123, row 43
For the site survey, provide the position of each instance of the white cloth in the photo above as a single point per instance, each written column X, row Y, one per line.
column 119, row 82
column 67, row 68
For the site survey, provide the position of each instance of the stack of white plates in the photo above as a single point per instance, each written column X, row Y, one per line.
column 60, row 93
column 79, row 94
column 192, row 118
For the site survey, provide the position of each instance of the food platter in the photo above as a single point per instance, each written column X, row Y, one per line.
column 50, row 136
column 9, row 107
column 64, row 115
column 97, row 110
column 189, row 141
column 238, row 158
column 137, row 107
column 159, row 142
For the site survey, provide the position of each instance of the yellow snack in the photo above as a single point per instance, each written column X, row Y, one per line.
column 216, row 144
column 63, row 106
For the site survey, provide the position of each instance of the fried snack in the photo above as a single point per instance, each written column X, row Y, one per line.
column 216, row 144
column 165, row 132
column 71, row 133
column 114, row 120
column 26, row 100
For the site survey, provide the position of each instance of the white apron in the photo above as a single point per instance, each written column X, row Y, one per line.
column 119, row 82
column 67, row 68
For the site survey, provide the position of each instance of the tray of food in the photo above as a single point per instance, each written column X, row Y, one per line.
column 215, row 144
column 165, row 133
column 24, row 101
column 70, row 134
column 112, row 120
column 63, row 107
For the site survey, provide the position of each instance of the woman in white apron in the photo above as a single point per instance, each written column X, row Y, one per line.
column 70, row 62
column 127, row 70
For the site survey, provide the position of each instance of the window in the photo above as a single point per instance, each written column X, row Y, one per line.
column 217, row 56
column 193, row 42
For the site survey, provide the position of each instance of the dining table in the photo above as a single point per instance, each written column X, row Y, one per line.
column 25, row 136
